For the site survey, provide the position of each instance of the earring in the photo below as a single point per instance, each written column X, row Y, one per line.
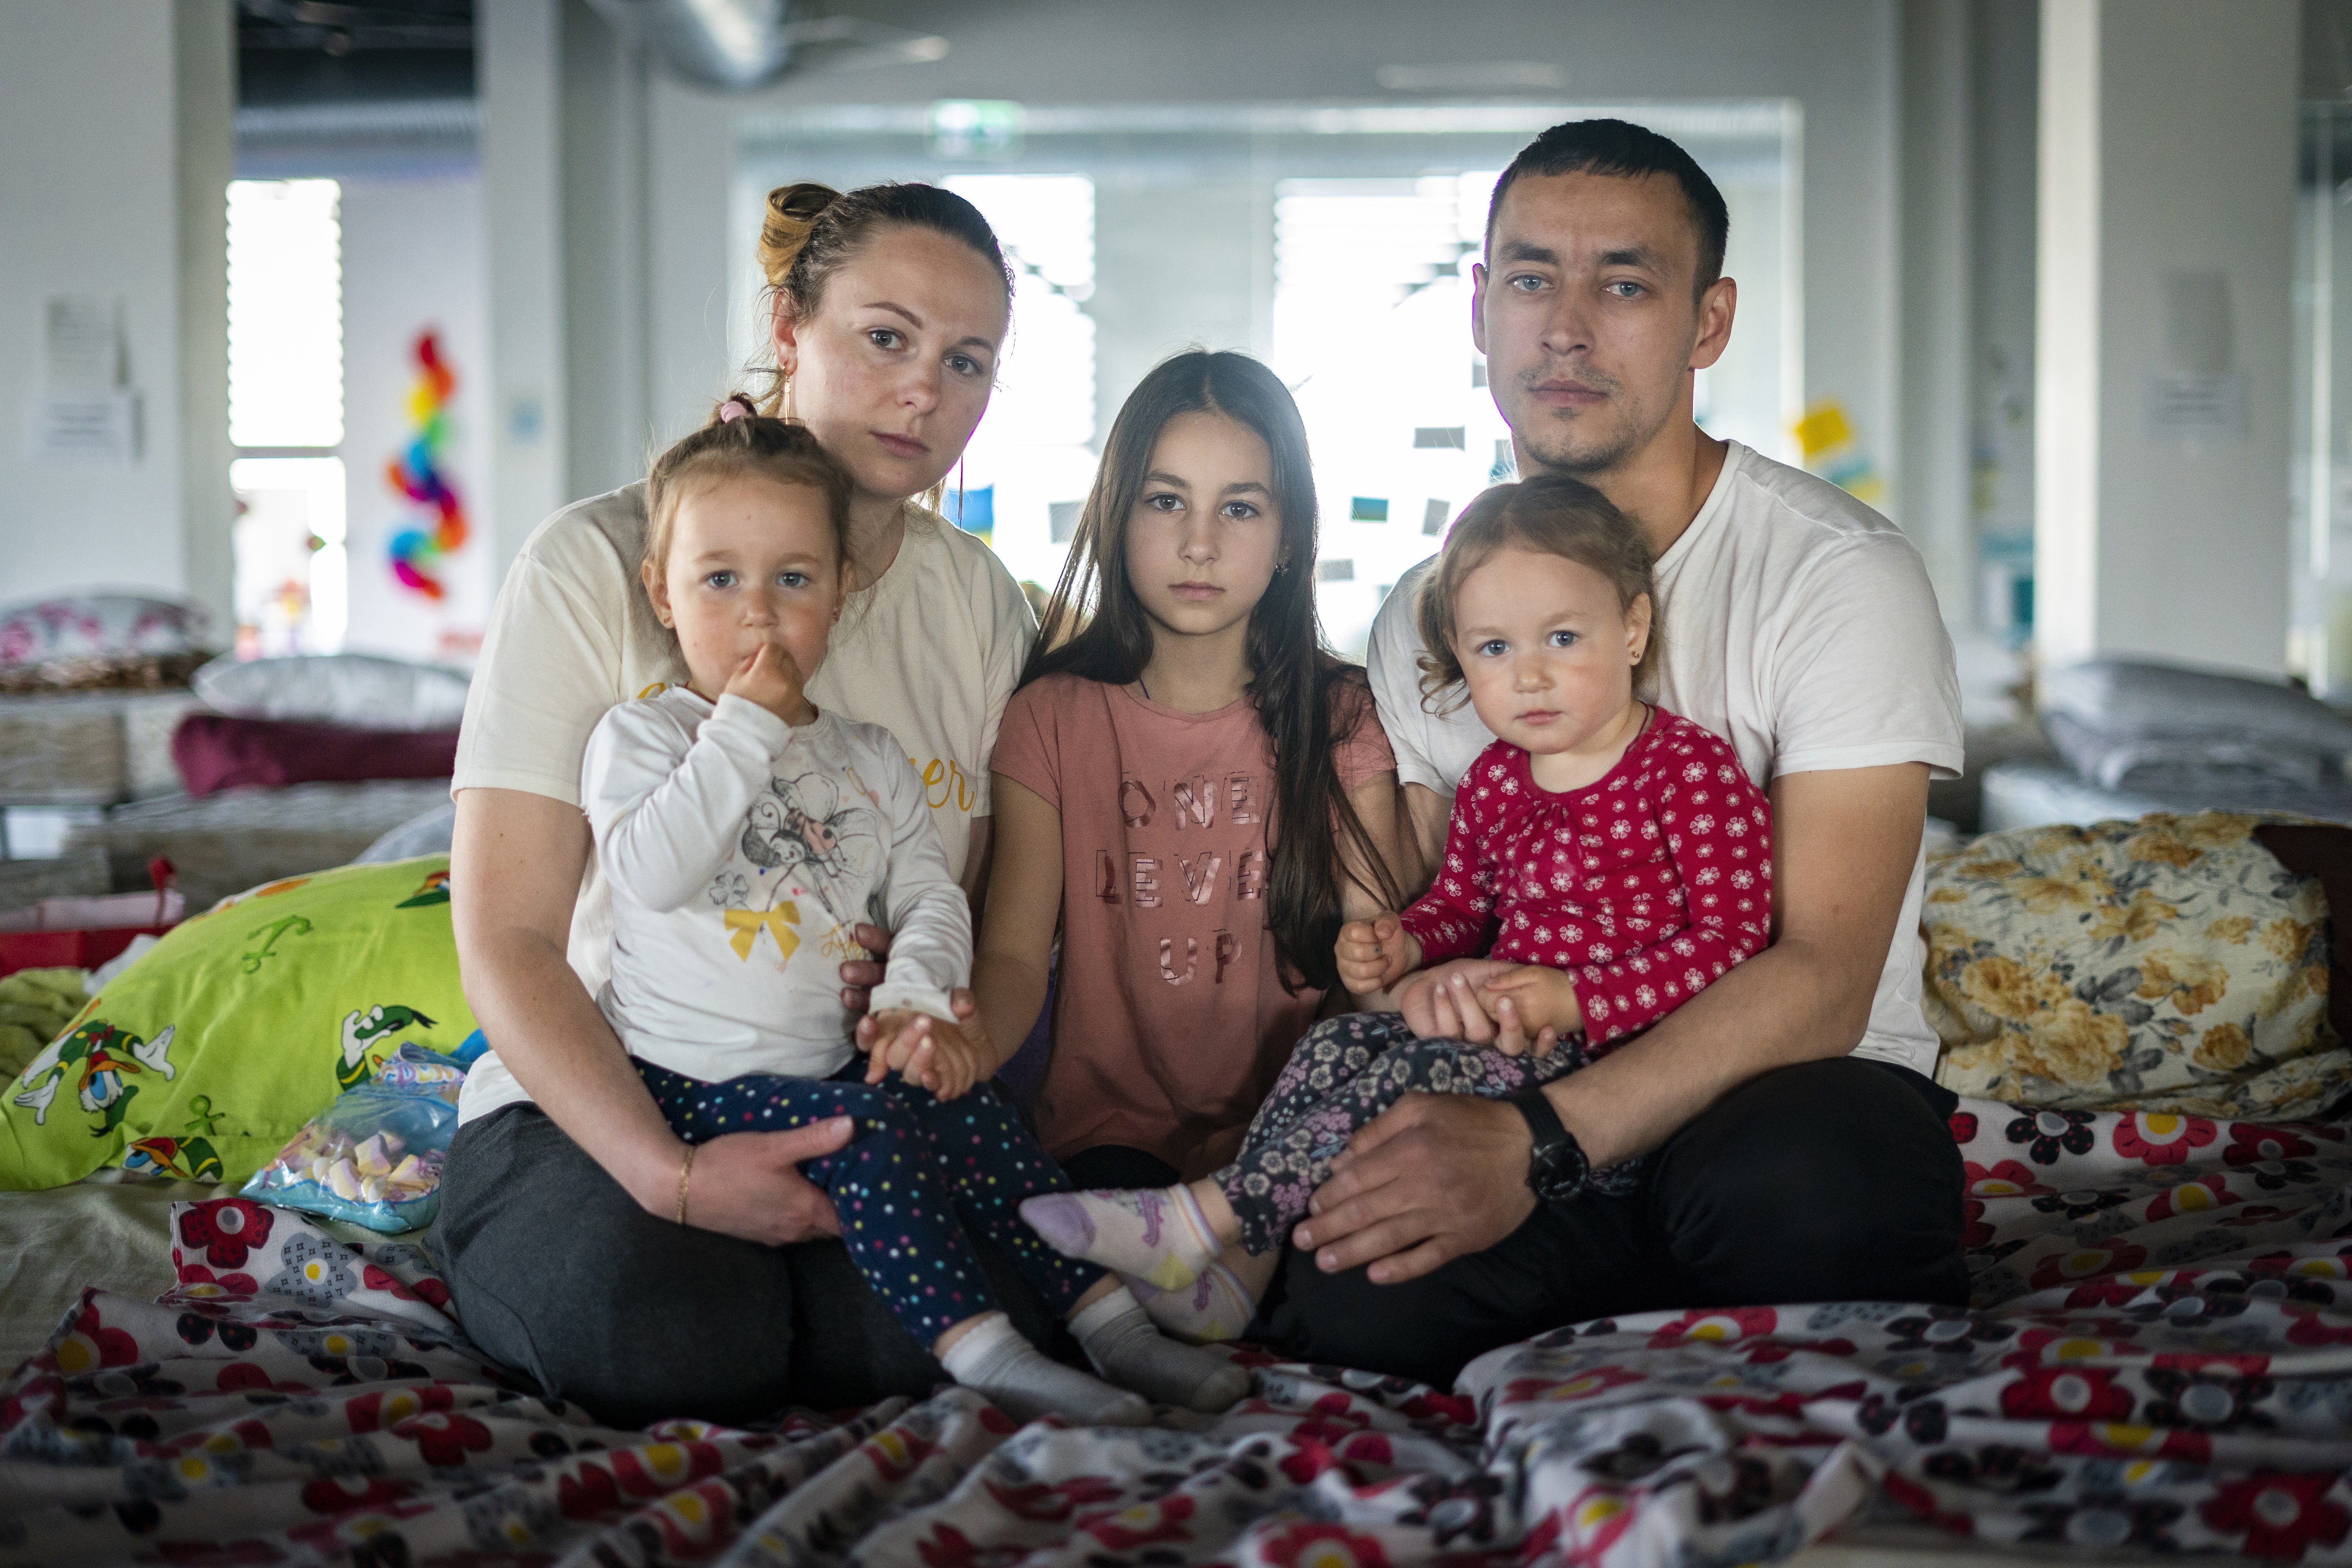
column 787, row 414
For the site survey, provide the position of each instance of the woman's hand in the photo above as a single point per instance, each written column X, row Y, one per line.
column 923, row 1050
column 860, row 976
column 1374, row 954
column 749, row 1184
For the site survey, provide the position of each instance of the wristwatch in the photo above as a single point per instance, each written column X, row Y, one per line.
column 1557, row 1168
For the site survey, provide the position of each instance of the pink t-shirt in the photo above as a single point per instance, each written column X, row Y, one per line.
column 1645, row 885
column 1169, row 1020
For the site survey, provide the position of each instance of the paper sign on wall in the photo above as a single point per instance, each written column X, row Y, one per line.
column 83, row 427
column 82, row 415
column 2193, row 407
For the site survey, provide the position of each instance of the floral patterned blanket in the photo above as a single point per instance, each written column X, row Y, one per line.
column 2160, row 1357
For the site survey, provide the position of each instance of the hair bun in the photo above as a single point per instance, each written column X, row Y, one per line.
column 801, row 202
column 793, row 212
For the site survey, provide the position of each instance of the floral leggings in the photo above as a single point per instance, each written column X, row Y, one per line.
column 1344, row 1073
column 916, row 1172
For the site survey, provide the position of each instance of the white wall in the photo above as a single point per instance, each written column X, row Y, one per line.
column 1840, row 65
column 2168, row 149
column 413, row 260
column 114, row 159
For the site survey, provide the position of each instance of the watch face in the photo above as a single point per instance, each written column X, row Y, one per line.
column 1561, row 1176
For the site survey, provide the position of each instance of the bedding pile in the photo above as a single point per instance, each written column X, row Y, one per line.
column 2155, row 1362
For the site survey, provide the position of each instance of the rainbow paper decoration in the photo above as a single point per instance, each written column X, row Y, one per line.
column 416, row 475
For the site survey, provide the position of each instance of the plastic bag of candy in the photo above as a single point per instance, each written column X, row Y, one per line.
column 373, row 1157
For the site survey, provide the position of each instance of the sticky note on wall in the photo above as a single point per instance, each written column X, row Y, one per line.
column 1368, row 508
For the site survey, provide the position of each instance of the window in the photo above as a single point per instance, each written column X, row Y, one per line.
column 286, row 414
column 1032, row 450
column 1332, row 241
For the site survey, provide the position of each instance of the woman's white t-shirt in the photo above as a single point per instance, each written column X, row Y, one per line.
column 1799, row 626
column 931, row 652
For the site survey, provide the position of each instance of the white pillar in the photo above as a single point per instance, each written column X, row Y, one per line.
column 205, row 105
column 2162, row 358
column 1932, row 463
column 518, row 64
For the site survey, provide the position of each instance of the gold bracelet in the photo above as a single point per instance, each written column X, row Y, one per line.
column 684, row 1172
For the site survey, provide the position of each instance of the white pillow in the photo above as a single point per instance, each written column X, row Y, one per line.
column 88, row 626
column 354, row 689
column 2136, row 700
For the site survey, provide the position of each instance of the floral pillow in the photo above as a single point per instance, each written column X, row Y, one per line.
column 2167, row 964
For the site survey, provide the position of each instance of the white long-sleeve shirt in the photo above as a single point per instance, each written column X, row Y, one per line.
column 741, row 852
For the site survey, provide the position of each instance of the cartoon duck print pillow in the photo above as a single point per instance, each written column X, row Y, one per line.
column 202, row 1059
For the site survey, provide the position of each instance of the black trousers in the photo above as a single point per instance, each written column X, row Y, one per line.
column 561, row 1276
column 1833, row 1181
column 1117, row 1165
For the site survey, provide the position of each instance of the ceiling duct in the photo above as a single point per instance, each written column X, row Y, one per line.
column 739, row 45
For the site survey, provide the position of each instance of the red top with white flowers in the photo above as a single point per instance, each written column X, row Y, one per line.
column 1645, row 886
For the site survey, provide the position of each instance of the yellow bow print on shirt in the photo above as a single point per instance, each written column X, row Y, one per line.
column 743, row 927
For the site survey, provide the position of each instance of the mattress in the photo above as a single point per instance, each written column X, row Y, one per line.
column 105, row 1231
column 91, row 748
column 238, row 838
column 2036, row 794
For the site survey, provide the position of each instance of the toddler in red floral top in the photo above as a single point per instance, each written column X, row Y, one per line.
column 1617, row 852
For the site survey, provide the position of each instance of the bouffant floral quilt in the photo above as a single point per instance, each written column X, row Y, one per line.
column 2158, row 1359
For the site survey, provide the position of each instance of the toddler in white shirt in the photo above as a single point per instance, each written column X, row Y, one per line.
column 745, row 836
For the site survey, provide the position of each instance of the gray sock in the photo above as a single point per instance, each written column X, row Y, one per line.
column 1127, row 1348
column 1026, row 1383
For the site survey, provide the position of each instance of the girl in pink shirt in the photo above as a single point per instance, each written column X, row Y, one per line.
column 1191, row 792
column 1617, row 852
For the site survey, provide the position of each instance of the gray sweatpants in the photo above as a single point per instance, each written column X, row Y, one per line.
column 561, row 1276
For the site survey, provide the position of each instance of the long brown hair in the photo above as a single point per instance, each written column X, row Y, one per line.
column 1096, row 627
column 1552, row 515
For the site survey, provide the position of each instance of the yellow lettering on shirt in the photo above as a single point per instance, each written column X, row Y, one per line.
column 841, row 947
column 944, row 779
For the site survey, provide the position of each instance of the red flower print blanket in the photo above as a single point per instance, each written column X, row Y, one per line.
column 2158, row 1360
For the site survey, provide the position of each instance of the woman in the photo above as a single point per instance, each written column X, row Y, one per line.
column 889, row 306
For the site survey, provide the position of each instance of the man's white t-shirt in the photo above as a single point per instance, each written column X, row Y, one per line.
column 1799, row 624
column 931, row 653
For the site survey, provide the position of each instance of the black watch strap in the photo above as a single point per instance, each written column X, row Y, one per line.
column 1557, row 1168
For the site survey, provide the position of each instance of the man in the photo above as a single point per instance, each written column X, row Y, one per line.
column 1801, row 1147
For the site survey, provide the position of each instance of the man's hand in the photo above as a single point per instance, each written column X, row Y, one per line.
column 860, row 976
column 1374, row 954
column 771, row 679
column 1435, row 1178
column 749, row 1184
column 924, row 1050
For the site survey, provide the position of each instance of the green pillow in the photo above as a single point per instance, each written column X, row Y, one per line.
column 203, row 1058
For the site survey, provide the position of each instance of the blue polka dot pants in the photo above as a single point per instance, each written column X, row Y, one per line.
column 916, row 1173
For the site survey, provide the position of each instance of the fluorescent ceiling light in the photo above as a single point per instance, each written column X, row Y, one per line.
column 1475, row 76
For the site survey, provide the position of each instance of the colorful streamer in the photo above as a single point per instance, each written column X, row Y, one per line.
column 417, row 476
